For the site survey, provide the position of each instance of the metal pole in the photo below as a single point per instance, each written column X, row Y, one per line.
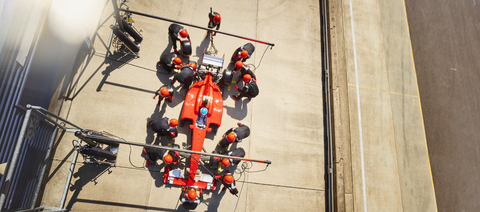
column 69, row 178
column 32, row 210
column 199, row 27
column 52, row 121
column 117, row 15
column 330, row 187
column 109, row 140
column 54, row 115
column 40, row 178
column 110, row 39
column 16, row 153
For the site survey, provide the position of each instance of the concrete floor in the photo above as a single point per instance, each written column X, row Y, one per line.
column 115, row 95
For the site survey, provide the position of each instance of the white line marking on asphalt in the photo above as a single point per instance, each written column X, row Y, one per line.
column 359, row 111
column 474, row 3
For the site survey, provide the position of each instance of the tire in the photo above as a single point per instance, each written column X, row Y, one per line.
column 186, row 48
column 129, row 43
column 227, row 77
column 138, row 38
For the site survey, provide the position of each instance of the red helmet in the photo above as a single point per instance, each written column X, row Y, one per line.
column 192, row 194
column 244, row 54
column 164, row 92
column 168, row 159
column 247, row 78
column 226, row 162
column 183, row 33
column 173, row 122
column 231, row 137
column 193, row 65
column 228, row 179
column 177, row 61
column 217, row 18
column 238, row 64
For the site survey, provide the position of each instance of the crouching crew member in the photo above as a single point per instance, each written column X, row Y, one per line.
column 224, row 143
column 186, row 75
column 239, row 66
column 250, row 88
column 190, row 201
column 217, row 162
column 165, row 92
column 241, row 132
column 243, row 52
column 150, row 156
column 238, row 152
column 176, row 32
column 171, row 157
column 164, row 126
column 228, row 182
column 170, row 62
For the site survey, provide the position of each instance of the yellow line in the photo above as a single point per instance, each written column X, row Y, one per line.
column 376, row 89
column 420, row 105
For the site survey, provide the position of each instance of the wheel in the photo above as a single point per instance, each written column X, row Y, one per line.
column 186, row 48
column 227, row 77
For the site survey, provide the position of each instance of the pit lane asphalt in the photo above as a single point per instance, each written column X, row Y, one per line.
column 445, row 41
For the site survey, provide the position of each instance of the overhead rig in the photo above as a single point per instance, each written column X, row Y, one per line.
column 195, row 26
